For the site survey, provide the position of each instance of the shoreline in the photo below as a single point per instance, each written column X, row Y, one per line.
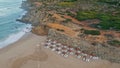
column 37, row 18
column 14, row 37
column 12, row 44
column 26, row 51
column 24, row 46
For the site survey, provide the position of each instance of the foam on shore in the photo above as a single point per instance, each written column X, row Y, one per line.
column 15, row 37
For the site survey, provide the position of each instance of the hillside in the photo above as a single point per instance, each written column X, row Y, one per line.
column 94, row 21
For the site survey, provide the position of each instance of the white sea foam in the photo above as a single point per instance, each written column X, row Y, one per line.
column 2, row 11
column 9, row 11
column 22, row 14
column 15, row 37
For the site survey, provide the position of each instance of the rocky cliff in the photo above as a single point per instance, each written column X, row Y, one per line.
column 41, row 12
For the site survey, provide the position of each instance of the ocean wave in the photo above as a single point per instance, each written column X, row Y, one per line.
column 15, row 37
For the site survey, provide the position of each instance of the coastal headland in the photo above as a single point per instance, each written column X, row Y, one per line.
column 51, row 20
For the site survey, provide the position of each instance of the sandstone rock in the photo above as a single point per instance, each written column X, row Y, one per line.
column 39, row 31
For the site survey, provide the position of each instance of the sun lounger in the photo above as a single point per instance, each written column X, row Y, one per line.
column 54, row 45
column 79, row 56
column 53, row 49
column 87, row 60
column 59, row 52
column 65, row 55
column 95, row 58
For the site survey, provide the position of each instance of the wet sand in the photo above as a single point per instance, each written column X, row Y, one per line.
column 29, row 52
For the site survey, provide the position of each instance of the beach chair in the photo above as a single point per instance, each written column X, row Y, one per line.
column 79, row 56
column 95, row 58
column 59, row 48
column 87, row 60
column 54, row 42
column 65, row 55
column 53, row 49
column 84, row 58
column 70, row 52
column 59, row 52
column 54, row 45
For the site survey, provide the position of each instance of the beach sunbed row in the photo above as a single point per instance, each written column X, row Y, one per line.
column 65, row 50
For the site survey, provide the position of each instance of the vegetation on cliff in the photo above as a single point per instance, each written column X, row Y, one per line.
column 77, row 15
column 92, row 32
column 114, row 43
column 107, row 20
column 107, row 11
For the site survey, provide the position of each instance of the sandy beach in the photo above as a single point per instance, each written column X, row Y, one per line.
column 29, row 52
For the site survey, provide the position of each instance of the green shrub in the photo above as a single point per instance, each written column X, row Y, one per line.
column 70, row 0
column 67, row 20
column 111, row 2
column 103, row 16
column 114, row 43
column 107, row 21
column 84, row 15
column 92, row 32
column 70, row 14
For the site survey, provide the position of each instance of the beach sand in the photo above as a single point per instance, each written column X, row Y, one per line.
column 29, row 52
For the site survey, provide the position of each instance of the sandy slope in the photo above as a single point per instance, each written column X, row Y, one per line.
column 27, row 54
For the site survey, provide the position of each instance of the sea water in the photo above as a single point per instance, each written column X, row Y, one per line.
column 10, row 29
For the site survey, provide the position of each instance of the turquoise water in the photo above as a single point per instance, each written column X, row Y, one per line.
column 10, row 29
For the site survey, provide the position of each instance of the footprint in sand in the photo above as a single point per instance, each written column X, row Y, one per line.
column 38, row 55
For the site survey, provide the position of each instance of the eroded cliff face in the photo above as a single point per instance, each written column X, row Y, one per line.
column 34, row 17
column 39, row 30
column 38, row 14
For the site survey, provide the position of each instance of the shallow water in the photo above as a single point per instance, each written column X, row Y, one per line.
column 10, row 29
